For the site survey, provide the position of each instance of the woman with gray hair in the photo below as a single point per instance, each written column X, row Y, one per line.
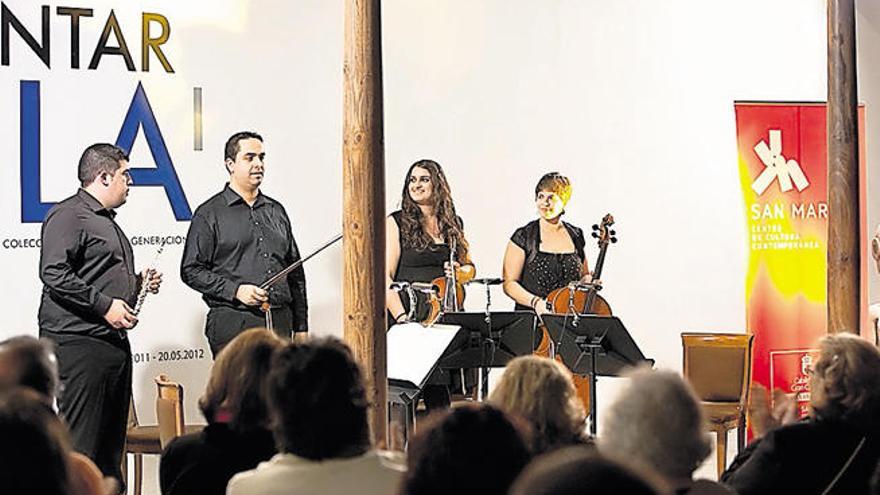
column 657, row 423
column 836, row 448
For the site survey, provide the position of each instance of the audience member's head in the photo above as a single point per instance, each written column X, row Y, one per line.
column 467, row 450
column 28, row 362
column 540, row 391
column 577, row 471
column 33, row 445
column 236, row 389
column 657, row 423
column 845, row 381
column 318, row 402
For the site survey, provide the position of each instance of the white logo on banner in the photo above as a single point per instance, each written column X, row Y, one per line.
column 806, row 364
column 777, row 167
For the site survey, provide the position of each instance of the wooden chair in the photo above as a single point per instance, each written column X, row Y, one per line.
column 169, row 411
column 719, row 367
column 139, row 440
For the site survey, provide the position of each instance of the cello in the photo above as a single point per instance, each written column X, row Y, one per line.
column 580, row 298
column 583, row 297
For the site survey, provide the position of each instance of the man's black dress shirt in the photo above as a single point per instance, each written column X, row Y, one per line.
column 85, row 263
column 232, row 243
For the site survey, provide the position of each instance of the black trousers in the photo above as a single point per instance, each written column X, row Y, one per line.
column 95, row 395
column 224, row 324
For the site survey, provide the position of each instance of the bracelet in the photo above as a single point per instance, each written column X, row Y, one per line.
column 535, row 300
column 397, row 318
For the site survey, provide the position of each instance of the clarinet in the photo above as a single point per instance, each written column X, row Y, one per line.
column 145, row 286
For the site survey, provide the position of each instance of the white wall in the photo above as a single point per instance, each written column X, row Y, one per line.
column 632, row 99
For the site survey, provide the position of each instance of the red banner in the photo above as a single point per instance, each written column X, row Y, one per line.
column 783, row 172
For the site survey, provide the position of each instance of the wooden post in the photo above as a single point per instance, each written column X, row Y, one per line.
column 843, row 170
column 363, row 217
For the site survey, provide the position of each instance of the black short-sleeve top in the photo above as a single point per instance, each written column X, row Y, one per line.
column 542, row 271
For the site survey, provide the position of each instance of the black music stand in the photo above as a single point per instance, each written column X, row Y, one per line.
column 414, row 352
column 491, row 340
column 594, row 346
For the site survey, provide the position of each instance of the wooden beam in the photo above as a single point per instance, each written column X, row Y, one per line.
column 363, row 217
column 843, row 170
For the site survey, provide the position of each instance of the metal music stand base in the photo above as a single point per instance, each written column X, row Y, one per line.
column 590, row 349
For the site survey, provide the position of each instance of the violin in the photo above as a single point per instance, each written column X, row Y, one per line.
column 583, row 298
column 448, row 293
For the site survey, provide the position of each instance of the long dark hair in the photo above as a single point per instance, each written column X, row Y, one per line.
column 463, row 444
column 318, row 400
column 412, row 233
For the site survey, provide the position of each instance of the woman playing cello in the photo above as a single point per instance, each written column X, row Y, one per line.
column 546, row 254
column 420, row 237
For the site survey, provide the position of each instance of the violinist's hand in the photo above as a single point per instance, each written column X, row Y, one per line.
column 251, row 295
column 448, row 271
column 153, row 279
column 588, row 279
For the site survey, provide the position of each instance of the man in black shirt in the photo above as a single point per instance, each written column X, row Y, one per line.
column 238, row 239
column 89, row 288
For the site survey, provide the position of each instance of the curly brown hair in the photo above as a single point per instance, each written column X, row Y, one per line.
column 412, row 232
column 540, row 391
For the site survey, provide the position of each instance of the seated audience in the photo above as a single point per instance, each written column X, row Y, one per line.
column 837, row 447
column 540, row 391
column 657, row 424
column 318, row 407
column 469, row 450
column 33, row 445
column 237, row 437
column 30, row 363
column 580, row 471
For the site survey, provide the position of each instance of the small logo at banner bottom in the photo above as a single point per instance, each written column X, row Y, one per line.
column 777, row 167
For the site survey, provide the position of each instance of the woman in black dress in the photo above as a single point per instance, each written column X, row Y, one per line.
column 546, row 254
column 419, row 237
